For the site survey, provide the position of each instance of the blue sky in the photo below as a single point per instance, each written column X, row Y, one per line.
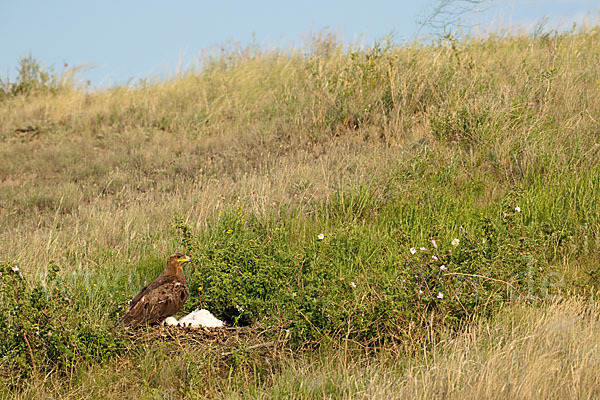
column 126, row 40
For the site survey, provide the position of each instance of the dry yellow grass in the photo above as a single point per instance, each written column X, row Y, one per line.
column 550, row 352
column 543, row 353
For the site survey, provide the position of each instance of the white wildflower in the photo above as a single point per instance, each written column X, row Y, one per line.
column 443, row 268
column 15, row 269
column 321, row 236
column 353, row 285
column 413, row 250
column 420, row 291
column 434, row 244
column 440, row 295
column 423, row 248
column 518, row 209
column 434, row 258
column 455, row 242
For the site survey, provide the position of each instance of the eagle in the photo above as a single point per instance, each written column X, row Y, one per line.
column 161, row 298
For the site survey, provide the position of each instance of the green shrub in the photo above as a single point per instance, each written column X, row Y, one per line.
column 41, row 329
column 366, row 278
column 33, row 78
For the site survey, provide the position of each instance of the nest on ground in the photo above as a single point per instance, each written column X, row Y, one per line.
column 226, row 340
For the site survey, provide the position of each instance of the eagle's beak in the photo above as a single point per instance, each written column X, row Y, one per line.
column 185, row 259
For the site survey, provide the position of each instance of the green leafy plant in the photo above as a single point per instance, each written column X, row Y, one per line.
column 329, row 286
column 32, row 78
column 41, row 330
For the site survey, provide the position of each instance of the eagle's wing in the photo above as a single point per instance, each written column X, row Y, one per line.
column 160, row 299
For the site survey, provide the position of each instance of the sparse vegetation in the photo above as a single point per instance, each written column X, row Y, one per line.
column 33, row 78
column 375, row 219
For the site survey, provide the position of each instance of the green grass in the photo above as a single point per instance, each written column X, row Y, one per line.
column 244, row 163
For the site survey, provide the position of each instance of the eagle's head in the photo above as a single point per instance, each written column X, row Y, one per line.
column 177, row 260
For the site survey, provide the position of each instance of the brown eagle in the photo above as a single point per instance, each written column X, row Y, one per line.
column 161, row 298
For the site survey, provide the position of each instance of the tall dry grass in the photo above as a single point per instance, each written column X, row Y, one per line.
column 549, row 352
column 544, row 353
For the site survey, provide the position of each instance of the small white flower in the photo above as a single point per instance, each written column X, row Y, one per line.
column 420, row 291
column 443, row 268
column 434, row 244
column 353, row 285
column 413, row 250
column 15, row 269
column 321, row 236
column 455, row 242
column 434, row 258
column 440, row 295
column 423, row 248
column 518, row 209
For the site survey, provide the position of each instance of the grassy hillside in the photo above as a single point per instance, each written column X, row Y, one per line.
column 456, row 190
